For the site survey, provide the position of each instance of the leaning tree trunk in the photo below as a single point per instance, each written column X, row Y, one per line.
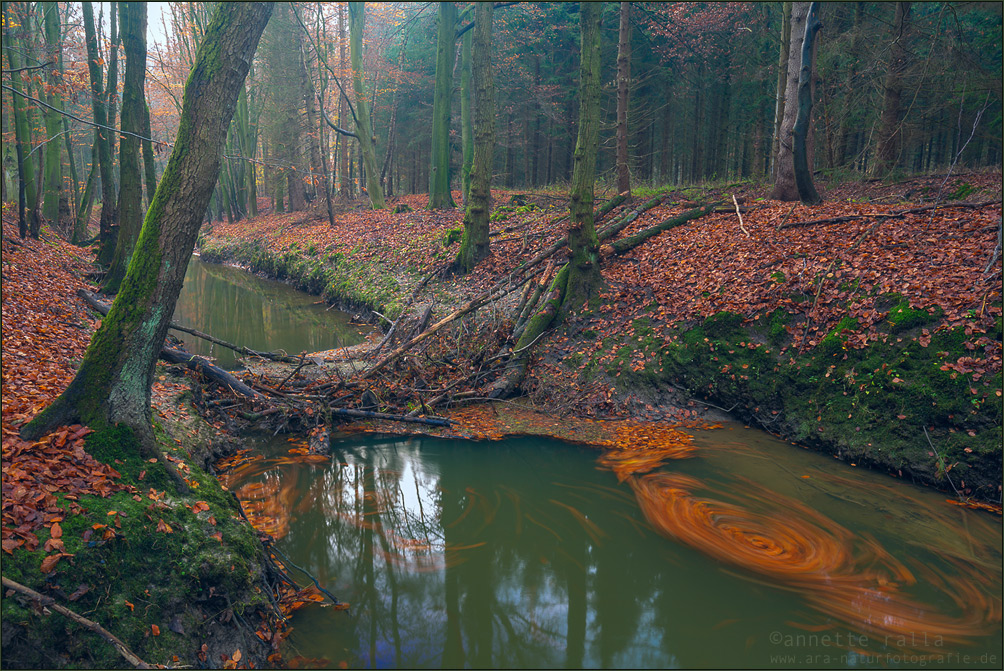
column 113, row 383
column 784, row 174
column 364, row 127
column 474, row 244
column 803, row 170
column 439, row 156
column 130, row 201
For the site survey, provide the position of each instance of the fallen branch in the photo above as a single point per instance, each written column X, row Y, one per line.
column 887, row 215
column 630, row 242
column 369, row 414
column 739, row 214
column 103, row 307
column 49, row 602
column 209, row 370
column 619, row 225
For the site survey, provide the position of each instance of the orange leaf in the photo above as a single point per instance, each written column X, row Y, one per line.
column 155, row 630
column 50, row 562
column 237, row 655
column 56, row 531
column 131, row 606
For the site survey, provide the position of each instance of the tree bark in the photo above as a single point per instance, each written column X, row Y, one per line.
column 439, row 156
column 803, row 169
column 345, row 184
column 784, row 175
column 782, row 82
column 53, row 120
column 474, row 245
column 130, row 200
column 623, row 91
column 28, row 191
column 466, row 125
column 113, row 383
column 887, row 151
column 364, row 127
column 584, row 273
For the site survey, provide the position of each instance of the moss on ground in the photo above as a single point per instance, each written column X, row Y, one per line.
column 143, row 559
column 340, row 279
column 868, row 405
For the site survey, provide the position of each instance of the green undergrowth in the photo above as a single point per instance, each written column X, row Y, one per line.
column 150, row 558
column 339, row 278
column 867, row 405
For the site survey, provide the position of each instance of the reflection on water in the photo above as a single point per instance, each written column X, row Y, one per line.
column 235, row 306
column 522, row 553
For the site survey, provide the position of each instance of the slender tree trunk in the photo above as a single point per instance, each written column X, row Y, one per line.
column 149, row 159
column 345, row 181
column 53, row 120
column 782, row 83
column 466, row 129
column 784, row 180
column 803, row 169
column 474, row 244
column 27, row 185
column 364, row 128
column 439, row 165
column 889, row 136
column 623, row 91
column 113, row 383
column 130, row 200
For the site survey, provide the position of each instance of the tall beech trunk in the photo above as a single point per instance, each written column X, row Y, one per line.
column 803, row 170
column 784, row 174
column 113, row 383
column 466, row 124
column 474, row 244
column 104, row 155
column 887, row 151
column 623, row 91
column 439, row 157
column 364, row 127
column 130, row 200
column 53, row 120
column 345, row 183
column 782, row 83
column 28, row 191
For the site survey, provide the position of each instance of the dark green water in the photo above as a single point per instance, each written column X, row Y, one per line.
column 523, row 554
column 245, row 310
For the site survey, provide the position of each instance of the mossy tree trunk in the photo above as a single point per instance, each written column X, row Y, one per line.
column 364, row 127
column 53, row 120
column 623, row 92
column 466, row 123
column 130, row 200
column 109, row 201
column 149, row 160
column 27, row 187
column 439, row 156
column 113, row 383
column 584, row 269
column 799, row 134
column 474, row 244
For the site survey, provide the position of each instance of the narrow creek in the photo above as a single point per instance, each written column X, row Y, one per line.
column 527, row 552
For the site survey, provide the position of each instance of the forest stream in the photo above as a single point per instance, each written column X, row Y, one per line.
column 739, row 551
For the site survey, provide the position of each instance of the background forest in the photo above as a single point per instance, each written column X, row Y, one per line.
column 899, row 87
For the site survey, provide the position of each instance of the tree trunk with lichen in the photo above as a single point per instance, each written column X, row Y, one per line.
column 130, row 200
column 439, row 155
column 578, row 279
column 364, row 126
column 474, row 244
column 113, row 383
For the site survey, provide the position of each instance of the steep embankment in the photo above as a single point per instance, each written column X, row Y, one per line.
column 869, row 327
column 86, row 522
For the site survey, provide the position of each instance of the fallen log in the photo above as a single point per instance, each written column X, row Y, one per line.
column 216, row 373
column 369, row 414
column 886, row 215
column 103, row 307
column 632, row 241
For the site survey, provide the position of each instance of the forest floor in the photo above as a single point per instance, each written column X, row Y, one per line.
column 868, row 327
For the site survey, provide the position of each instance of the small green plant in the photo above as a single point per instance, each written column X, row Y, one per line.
column 964, row 189
column 453, row 235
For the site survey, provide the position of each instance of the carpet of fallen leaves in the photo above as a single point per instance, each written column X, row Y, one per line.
column 936, row 259
column 46, row 329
